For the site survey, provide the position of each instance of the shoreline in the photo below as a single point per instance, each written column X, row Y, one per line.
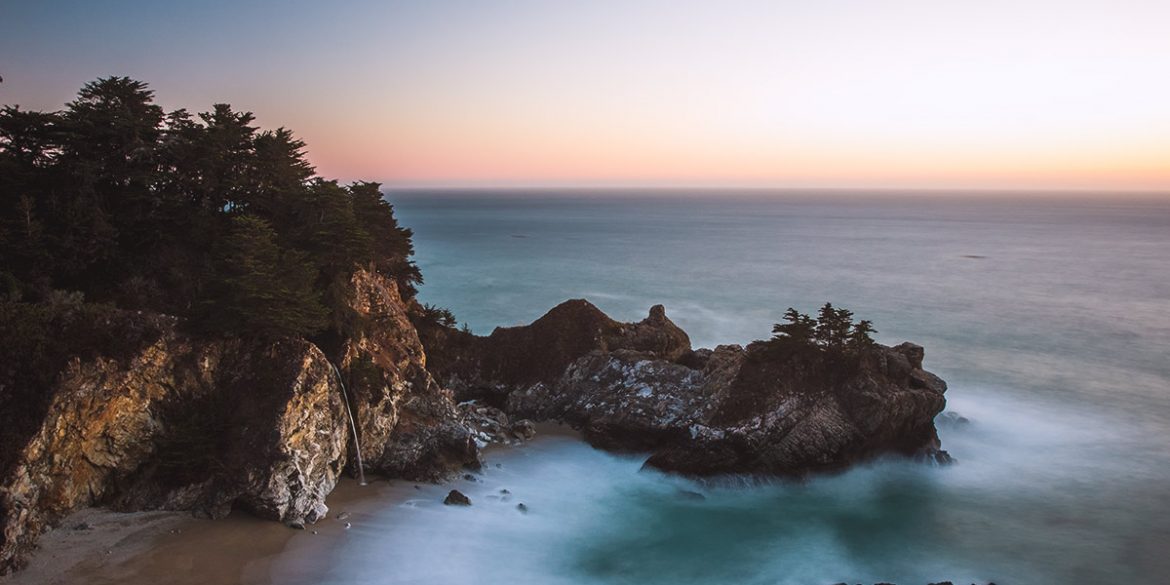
column 146, row 548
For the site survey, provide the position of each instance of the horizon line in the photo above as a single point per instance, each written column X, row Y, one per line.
column 916, row 190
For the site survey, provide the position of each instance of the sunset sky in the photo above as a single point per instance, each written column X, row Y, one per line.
column 866, row 93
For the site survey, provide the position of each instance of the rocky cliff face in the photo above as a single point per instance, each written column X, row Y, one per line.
column 490, row 367
column 754, row 410
column 141, row 416
column 180, row 424
column 409, row 426
column 164, row 420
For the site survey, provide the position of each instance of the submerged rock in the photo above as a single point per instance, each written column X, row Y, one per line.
column 456, row 498
column 952, row 419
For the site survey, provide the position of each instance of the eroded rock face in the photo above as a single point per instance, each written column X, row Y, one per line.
column 180, row 424
column 754, row 410
column 791, row 415
column 488, row 368
column 408, row 424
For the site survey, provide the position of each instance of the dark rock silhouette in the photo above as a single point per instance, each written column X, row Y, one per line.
column 456, row 498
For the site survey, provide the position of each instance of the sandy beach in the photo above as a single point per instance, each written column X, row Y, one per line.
column 101, row 547
column 98, row 546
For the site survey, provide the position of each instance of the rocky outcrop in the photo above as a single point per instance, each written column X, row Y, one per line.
column 763, row 409
column 182, row 424
column 492, row 426
column 488, row 368
column 408, row 424
column 141, row 416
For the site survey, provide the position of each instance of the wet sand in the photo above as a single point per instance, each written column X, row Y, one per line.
column 101, row 547
column 148, row 548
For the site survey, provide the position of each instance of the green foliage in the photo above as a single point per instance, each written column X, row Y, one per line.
column 832, row 331
column 147, row 209
column 259, row 288
column 440, row 316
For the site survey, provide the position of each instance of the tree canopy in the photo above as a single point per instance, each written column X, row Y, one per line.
column 203, row 216
column 833, row 330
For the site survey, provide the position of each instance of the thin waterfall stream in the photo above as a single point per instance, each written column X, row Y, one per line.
column 357, row 447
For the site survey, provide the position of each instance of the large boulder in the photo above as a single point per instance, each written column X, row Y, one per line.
column 173, row 422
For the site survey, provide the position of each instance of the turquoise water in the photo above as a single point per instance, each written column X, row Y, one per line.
column 1050, row 320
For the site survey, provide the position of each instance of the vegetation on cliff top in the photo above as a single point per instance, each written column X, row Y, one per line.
column 832, row 331
column 201, row 216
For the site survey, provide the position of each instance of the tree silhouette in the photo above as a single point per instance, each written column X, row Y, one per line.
column 832, row 331
column 204, row 216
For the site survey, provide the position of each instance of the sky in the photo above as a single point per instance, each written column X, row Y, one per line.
column 988, row 94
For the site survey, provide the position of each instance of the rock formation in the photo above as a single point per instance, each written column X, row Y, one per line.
column 181, row 424
column 513, row 357
column 754, row 410
column 408, row 424
column 159, row 419
column 140, row 415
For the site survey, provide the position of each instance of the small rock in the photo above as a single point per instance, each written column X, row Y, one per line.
column 952, row 419
column 314, row 532
column 522, row 508
column 456, row 498
column 523, row 429
column 505, row 491
column 86, row 526
column 470, row 477
column 295, row 525
column 343, row 516
column 348, row 525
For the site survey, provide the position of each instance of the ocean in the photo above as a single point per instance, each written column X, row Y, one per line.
column 1049, row 317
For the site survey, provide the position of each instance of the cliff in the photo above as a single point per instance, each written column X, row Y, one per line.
column 408, row 424
column 138, row 415
column 124, row 409
column 180, row 424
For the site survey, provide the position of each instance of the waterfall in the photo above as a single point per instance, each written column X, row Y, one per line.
column 357, row 447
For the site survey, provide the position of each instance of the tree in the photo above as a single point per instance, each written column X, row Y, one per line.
column 260, row 289
column 117, row 199
column 832, row 327
column 832, row 331
column 391, row 244
column 797, row 331
column 860, row 337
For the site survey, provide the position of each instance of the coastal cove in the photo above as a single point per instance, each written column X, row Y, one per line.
column 636, row 292
column 1046, row 489
column 1052, row 339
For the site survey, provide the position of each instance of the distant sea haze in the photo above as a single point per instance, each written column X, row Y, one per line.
column 1050, row 319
